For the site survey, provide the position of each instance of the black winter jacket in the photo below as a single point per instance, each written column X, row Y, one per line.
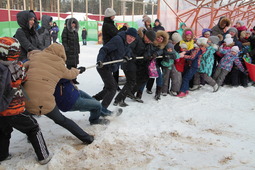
column 109, row 30
column 70, row 41
column 28, row 38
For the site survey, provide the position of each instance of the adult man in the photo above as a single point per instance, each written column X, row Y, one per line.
column 116, row 48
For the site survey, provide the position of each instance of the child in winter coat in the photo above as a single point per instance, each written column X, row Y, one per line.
column 206, row 65
column 194, row 55
column 69, row 98
column 169, row 70
column 226, row 65
column 15, row 115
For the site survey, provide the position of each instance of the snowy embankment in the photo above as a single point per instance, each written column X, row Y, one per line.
column 204, row 130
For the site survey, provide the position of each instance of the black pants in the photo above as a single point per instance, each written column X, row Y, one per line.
column 26, row 124
column 68, row 124
column 128, row 87
column 110, row 87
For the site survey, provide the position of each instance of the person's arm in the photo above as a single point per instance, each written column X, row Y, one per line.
column 239, row 64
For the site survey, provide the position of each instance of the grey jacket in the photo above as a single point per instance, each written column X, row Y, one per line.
column 44, row 32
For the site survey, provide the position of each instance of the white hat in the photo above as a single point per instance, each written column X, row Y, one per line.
column 228, row 40
column 109, row 12
column 235, row 49
column 176, row 37
column 202, row 41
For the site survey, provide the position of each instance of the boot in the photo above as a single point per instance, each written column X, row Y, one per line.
column 195, row 87
column 158, row 93
column 139, row 96
column 215, row 87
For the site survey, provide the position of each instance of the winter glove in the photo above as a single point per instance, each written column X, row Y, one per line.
column 82, row 69
column 100, row 64
column 125, row 59
column 154, row 55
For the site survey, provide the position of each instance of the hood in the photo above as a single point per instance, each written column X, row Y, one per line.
column 183, row 35
column 223, row 20
column 23, row 18
column 45, row 21
column 181, row 24
column 69, row 25
column 165, row 40
column 108, row 20
column 140, row 32
column 56, row 49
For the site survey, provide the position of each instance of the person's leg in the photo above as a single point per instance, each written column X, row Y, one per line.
column 176, row 80
column 27, row 124
column 186, row 78
column 70, row 125
column 221, row 77
column 129, row 85
column 208, row 79
column 116, row 78
column 86, row 103
column 166, row 75
column 216, row 73
column 5, row 136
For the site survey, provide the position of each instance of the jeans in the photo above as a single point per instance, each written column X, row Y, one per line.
column 86, row 103
column 68, row 124
column 187, row 77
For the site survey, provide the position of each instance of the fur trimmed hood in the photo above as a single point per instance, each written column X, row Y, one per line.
column 165, row 36
column 140, row 32
column 69, row 25
column 222, row 21
column 184, row 31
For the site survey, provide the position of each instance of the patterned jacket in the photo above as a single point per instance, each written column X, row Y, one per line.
column 228, row 60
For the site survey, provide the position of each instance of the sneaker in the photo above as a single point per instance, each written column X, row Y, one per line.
column 138, row 100
column 172, row 93
column 46, row 160
column 149, row 91
column 164, row 94
column 215, row 87
column 100, row 122
column 181, row 94
column 195, row 87
column 89, row 140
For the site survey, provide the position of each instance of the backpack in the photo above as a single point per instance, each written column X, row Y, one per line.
column 6, row 90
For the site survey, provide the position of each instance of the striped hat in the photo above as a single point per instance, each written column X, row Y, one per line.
column 9, row 48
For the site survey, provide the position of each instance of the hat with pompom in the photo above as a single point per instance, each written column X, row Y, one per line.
column 228, row 39
column 9, row 49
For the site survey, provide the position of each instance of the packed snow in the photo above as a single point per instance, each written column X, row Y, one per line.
column 204, row 130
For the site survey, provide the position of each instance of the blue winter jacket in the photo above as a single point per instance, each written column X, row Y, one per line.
column 66, row 95
column 115, row 49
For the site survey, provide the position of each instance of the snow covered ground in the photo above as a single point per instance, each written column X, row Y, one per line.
column 204, row 130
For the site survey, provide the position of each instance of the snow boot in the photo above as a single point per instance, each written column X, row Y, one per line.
column 195, row 87
column 216, row 87
column 139, row 96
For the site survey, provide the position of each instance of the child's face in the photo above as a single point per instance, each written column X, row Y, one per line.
column 169, row 50
column 238, row 24
column 233, row 53
column 188, row 37
column 232, row 33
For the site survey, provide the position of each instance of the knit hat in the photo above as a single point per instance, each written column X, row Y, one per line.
column 9, row 48
column 202, row 41
column 132, row 32
column 233, row 29
column 109, row 12
column 235, row 49
column 151, row 35
column 214, row 39
column 228, row 40
column 170, row 45
column 240, row 22
column 147, row 19
column 176, row 37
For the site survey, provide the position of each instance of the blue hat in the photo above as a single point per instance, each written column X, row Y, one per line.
column 132, row 32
